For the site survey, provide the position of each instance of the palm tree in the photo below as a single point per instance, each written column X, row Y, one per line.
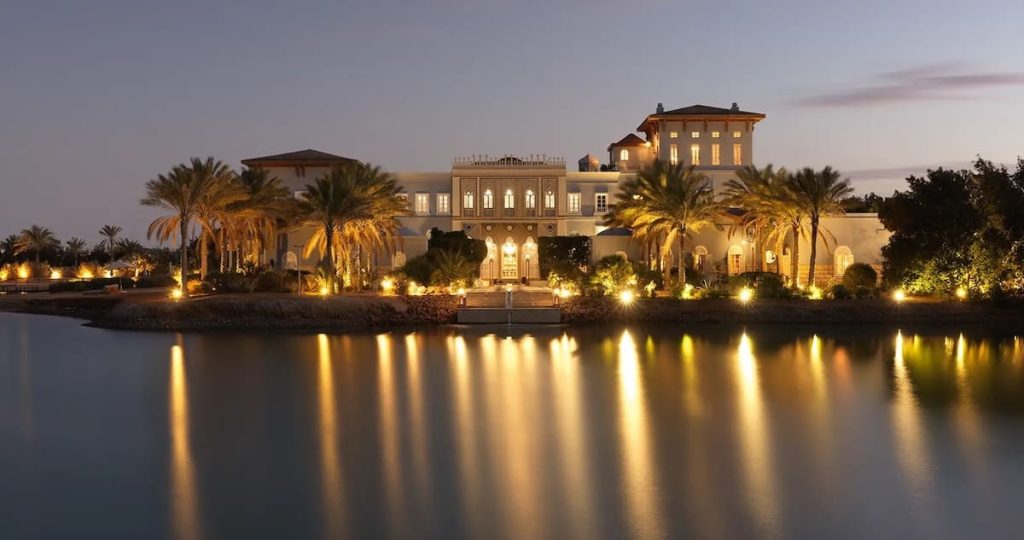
column 182, row 191
column 8, row 247
column 760, row 197
column 35, row 239
column 110, row 234
column 214, row 207
column 75, row 247
column 819, row 194
column 266, row 206
column 666, row 203
column 352, row 198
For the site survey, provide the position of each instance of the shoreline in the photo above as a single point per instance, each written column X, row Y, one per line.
column 152, row 311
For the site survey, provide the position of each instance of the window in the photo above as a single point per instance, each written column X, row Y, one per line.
column 574, row 203
column 673, row 154
column 695, row 154
column 531, row 199
column 737, row 134
column 695, row 135
column 737, row 154
column 488, row 199
column 844, row 258
column 716, row 154
column 510, row 199
column 549, row 199
column 601, row 203
column 673, row 134
column 715, row 134
column 623, row 155
column 467, row 200
column 421, row 204
column 444, row 203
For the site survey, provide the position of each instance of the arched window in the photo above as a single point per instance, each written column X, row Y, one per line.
column 549, row 199
column 488, row 199
column 398, row 259
column 291, row 261
column 531, row 199
column 700, row 259
column 623, row 155
column 510, row 199
column 843, row 259
column 735, row 260
column 467, row 200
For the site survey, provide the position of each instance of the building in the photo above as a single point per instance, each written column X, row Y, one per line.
column 511, row 201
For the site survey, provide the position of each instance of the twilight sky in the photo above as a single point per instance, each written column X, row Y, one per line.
column 98, row 97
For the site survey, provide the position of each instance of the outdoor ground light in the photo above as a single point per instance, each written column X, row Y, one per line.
column 961, row 293
column 324, row 290
column 815, row 293
column 387, row 285
column 176, row 294
column 626, row 297
column 899, row 295
column 745, row 295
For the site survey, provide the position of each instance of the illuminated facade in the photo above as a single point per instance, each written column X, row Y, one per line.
column 512, row 201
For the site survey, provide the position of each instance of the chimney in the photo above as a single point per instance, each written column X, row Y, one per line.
column 660, row 109
column 735, row 107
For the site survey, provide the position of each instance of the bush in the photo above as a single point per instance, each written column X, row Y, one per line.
column 418, row 269
column 457, row 242
column 273, row 281
column 612, row 274
column 148, row 282
column 862, row 293
column 859, row 275
column 231, row 282
column 555, row 252
column 765, row 284
column 838, row 292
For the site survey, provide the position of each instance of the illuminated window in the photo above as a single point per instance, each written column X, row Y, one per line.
column 673, row 134
column 510, row 199
column 715, row 134
column 488, row 199
column 574, row 203
column 467, row 200
column 843, row 260
column 695, row 154
column 531, row 199
column 673, row 154
column 623, row 155
column 549, row 199
column 601, row 203
column 737, row 134
column 716, row 154
column 421, row 204
column 737, row 154
column 444, row 203
column 695, row 135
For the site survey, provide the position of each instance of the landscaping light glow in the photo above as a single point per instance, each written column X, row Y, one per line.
column 324, row 291
column 626, row 297
column 746, row 295
column 564, row 293
column 176, row 294
column 23, row 271
column 815, row 293
column 687, row 293
column 55, row 274
column 961, row 293
column 899, row 295
column 387, row 285
column 4, row 273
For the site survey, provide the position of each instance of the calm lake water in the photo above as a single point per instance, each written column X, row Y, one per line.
column 548, row 433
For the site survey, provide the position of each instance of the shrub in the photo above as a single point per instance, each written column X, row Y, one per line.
column 838, row 292
column 231, row 282
column 555, row 252
column 273, row 281
column 770, row 285
column 859, row 275
column 613, row 273
column 862, row 293
column 418, row 269
column 147, row 282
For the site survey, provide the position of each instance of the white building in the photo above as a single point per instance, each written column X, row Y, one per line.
column 511, row 201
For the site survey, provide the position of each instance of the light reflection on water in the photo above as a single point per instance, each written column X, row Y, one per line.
column 583, row 433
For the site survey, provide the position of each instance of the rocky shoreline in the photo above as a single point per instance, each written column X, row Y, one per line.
column 358, row 312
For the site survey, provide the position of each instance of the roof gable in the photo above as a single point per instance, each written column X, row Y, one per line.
column 300, row 157
column 628, row 140
column 707, row 110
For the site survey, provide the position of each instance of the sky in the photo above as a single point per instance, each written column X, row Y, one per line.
column 98, row 97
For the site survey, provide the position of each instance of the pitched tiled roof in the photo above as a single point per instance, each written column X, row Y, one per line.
column 301, row 157
column 707, row 110
column 628, row 140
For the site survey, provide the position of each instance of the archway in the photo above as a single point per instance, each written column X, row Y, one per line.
column 509, row 261
column 487, row 268
column 843, row 260
column 291, row 261
column 398, row 259
column 736, row 260
column 700, row 259
column 530, row 260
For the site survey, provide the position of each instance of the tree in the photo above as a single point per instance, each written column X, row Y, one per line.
column 264, row 210
column 819, row 194
column 182, row 192
column 665, row 203
column 215, row 207
column 75, row 247
column 8, row 248
column 354, row 205
column 109, row 234
column 35, row 240
column 764, row 206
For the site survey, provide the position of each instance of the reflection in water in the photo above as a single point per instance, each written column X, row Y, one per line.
column 641, row 487
column 25, row 383
column 573, row 452
column 755, row 443
column 418, row 429
column 184, row 506
column 467, row 464
column 911, row 446
column 389, row 438
column 333, row 489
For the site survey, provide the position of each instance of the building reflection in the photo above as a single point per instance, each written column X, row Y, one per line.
column 183, row 496
column 390, row 444
column 911, row 447
column 465, row 434
column 331, row 477
column 641, row 484
column 755, row 441
column 418, row 428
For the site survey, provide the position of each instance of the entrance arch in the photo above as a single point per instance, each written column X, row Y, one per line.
column 488, row 268
column 509, row 261
column 736, row 260
column 530, row 260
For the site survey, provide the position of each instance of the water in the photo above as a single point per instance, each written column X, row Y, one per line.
column 592, row 433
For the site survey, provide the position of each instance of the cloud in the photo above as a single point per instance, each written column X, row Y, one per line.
column 936, row 82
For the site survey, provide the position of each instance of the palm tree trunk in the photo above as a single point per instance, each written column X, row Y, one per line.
column 204, row 255
column 184, row 257
column 794, row 263
column 328, row 261
column 814, row 251
column 682, row 261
